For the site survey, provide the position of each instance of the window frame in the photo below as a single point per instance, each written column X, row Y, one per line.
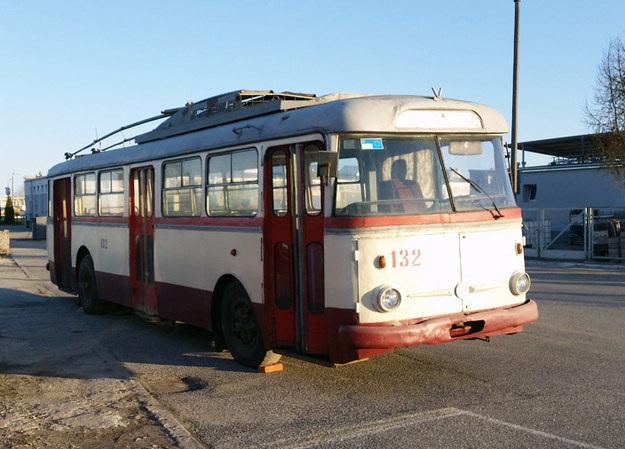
column 195, row 209
column 529, row 192
column 80, row 197
column 111, row 193
column 241, row 190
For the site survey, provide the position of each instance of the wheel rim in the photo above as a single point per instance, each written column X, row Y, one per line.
column 243, row 322
column 86, row 285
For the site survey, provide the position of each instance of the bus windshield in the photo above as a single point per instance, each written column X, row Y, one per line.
column 400, row 176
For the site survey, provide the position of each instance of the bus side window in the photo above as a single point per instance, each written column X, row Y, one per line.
column 149, row 201
column 348, row 187
column 279, row 183
column 111, row 192
column 232, row 184
column 312, row 182
column 85, row 195
column 182, row 188
column 243, row 193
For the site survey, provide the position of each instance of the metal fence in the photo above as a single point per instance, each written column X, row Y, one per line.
column 575, row 234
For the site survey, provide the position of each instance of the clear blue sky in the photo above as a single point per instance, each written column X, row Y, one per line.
column 74, row 69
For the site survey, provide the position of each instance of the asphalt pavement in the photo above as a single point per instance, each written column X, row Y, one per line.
column 59, row 385
column 72, row 380
column 31, row 256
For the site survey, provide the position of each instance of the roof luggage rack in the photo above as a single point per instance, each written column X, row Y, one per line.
column 213, row 111
column 225, row 108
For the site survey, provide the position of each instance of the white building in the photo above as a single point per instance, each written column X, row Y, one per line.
column 36, row 196
column 574, row 179
column 572, row 204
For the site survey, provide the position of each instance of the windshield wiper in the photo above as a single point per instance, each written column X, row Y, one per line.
column 477, row 187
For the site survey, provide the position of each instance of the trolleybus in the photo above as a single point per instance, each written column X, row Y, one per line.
column 331, row 228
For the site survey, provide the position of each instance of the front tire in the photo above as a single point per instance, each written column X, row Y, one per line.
column 88, row 289
column 240, row 328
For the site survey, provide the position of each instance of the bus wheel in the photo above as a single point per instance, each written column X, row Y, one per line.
column 240, row 328
column 87, row 289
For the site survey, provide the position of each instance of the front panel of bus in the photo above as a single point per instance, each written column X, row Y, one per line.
column 423, row 227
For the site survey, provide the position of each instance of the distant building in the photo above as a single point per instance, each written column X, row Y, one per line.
column 572, row 207
column 574, row 179
column 36, row 196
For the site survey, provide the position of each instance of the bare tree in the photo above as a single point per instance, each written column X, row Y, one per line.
column 606, row 115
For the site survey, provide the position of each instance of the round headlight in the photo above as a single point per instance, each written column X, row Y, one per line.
column 520, row 283
column 387, row 299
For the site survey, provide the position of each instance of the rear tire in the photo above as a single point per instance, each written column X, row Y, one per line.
column 88, row 289
column 240, row 328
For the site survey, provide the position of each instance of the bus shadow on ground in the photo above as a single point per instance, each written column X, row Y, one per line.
column 52, row 337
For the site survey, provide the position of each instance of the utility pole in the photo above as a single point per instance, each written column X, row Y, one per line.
column 515, row 85
column 13, row 184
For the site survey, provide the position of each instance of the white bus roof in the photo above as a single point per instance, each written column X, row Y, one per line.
column 246, row 117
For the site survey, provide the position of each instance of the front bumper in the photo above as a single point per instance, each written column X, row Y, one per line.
column 505, row 320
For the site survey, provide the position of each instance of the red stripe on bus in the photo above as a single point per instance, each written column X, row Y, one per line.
column 114, row 288
column 84, row 219
column 210, row 221
column 403, row 220
column 333, row 222
column 186, row 304
column 184, row 221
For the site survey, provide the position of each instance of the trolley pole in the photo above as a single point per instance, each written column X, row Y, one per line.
column 515, row 85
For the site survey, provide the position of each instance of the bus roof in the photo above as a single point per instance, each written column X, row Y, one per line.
column 246, row 117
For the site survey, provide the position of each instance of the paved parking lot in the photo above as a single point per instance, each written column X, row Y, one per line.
column 558, row 384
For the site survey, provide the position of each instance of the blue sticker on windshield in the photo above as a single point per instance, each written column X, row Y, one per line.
column 371, row 144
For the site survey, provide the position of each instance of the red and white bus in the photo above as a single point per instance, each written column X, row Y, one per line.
column 331, row 228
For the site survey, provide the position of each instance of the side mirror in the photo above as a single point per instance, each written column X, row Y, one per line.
column 326, row 167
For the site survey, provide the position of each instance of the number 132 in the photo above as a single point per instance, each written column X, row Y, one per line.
column 405, row 258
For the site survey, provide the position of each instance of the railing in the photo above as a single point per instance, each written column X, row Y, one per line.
column 575, row 234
